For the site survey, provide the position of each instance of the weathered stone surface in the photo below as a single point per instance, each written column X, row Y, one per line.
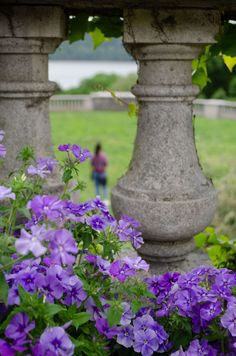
column 27, row 35
column 165, row 188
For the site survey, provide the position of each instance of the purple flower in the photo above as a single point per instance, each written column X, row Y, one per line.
column 47, row 162
column 130, row 221
column 41, row 171
column 47, row 205
column 185, row 300
column 153, row 284
column 50, row 287
column 2, row 134
column 120, row 270
column 136, row 239
column 136, row 263
column 228, row 320
column 31, row 242
column 103, row 265
column 62, row 247
column 180, row 352
column 108, row 217
column 75, row 292
column 201, row 348
column 210, row 310
column 125, row 336
column 54, row 341
column 81, row 154
column 64, row 148
column 98, row 204
column 144, row 323
column 145, row 342
column 6, row 193
column 97, row 222
column 3, row 150
column 19, row 327
column 6, row 349
column 126, row 315
column 104, row 329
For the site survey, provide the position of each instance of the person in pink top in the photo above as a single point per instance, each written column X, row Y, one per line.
column 99, row 164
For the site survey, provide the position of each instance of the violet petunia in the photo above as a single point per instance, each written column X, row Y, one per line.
column 75, row 292
column 64, row 147
column 137, row 263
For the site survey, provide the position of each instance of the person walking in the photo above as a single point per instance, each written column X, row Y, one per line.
column 99, row 175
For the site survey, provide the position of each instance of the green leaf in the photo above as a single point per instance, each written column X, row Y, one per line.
column 3, row 288
column 132, row 109
column 67, row 176
column 80, row 319
column 87, row 240
column 25, row 212
column 114, row 314
column 53, row 309
column 200, row 240
column 135, row 306
column 230, row 62
column 200, row 78
column 78, row 26
column 97, row 37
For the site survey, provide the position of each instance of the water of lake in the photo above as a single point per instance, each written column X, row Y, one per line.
column 68, row 74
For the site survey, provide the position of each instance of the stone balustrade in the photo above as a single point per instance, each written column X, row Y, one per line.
column 164, row 187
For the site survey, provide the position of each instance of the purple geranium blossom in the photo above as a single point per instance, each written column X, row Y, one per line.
column 81, row 154
column 62, row 247
column 3, row 150
column 75, row 292
column 228, row 320
column 153, row 284
column 136, row 239
column 145, row 342
column 185, row 300
column 136, row 263
column 31, row 242
column 103, row 328
column 6, row 193
column 54, row 341
column 97, row 222
column 64, row 148
column 125, row 336
column 19, row 327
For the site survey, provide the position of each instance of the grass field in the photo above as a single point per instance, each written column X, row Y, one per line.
column 215, row 140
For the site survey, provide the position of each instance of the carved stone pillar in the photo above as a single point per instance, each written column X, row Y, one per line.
column 165, row 188
column 27, row 35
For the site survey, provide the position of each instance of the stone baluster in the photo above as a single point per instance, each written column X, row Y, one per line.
column 27, row 35
column 165, row 188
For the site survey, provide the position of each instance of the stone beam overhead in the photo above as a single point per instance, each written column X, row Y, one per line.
column 92, row 5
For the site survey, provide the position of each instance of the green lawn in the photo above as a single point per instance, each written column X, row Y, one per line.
column 215, row 140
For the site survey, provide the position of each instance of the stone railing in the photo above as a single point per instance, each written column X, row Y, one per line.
column 104, row 101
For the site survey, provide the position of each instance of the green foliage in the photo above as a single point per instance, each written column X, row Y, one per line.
column 221, row 249
column 100, row 28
